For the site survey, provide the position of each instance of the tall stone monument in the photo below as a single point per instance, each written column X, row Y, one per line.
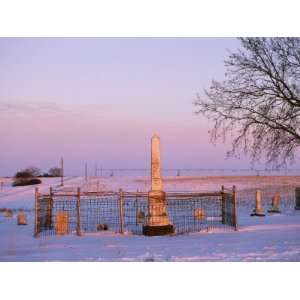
column 157, row 222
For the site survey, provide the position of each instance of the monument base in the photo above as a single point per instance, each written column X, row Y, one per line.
column 158, row 230
column 257, row 215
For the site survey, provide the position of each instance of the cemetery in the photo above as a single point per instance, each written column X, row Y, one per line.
column 152, row 213
column 66, row 193
column 208, row 218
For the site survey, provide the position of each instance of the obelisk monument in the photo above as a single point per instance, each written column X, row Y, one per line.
column 157, row 222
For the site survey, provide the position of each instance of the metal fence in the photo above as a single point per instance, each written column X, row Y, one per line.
column 81, row 212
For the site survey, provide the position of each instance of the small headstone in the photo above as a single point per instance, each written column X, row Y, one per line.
column 275, row 204
column 22, row 218
column 140, row 217
column 62, row 223
column 8, row 213
column 258, row 207
column 199, row 214
column 101, row 227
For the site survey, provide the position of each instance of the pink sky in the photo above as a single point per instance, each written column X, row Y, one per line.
column 100, row 100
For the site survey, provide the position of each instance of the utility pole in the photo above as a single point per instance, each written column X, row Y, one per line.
column 86, row 171
column 62, row 172
column 96, row 170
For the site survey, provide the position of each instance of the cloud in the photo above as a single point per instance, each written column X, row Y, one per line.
column 27, row 107
column 47, row 108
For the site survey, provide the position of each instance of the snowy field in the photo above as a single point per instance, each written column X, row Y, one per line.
column 271, row 238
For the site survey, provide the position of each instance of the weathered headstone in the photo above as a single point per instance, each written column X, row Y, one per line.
column 8, row 213
column 157, row 222
column 102, row 226
column 275, row 204
column 140, row 217
column 21, row 218
column 62, row 223
column 199, row 214
column 258, row 211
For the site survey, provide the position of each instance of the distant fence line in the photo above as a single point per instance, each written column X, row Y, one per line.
column 193, row 172
column 69, row 212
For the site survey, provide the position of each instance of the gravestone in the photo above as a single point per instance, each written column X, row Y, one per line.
column 62, row 223
column 157, row 222
column 199, row 214
column 8, row 213
column 275, row 204
column 22, row 218
column 258, row 211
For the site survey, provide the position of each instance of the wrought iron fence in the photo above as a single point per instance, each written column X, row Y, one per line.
column 62, row 213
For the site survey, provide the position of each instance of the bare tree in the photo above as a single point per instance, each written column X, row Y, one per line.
column 54, row 172
column 258, row 103
column 34, row 171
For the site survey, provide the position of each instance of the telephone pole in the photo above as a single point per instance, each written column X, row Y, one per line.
column 96, row 169
column 86, row 171
column 62, row 172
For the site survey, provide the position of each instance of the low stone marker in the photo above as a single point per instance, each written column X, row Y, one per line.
column 297, row 194
column 8, row 213
column 258, row 211
column 62, row 223
column 275, row 204
column 21, row 218
column 199, row 214
column 101, row 227
column 140, row 217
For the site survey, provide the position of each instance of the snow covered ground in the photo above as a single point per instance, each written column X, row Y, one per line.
column 271, row 238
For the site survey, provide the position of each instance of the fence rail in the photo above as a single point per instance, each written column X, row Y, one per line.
column 80, row 212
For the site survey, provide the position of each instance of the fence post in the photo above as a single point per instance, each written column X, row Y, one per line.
column 297, row 199
column 78, row 229
column 235, row 219
column 136, row 208
column 121, row 210
column 98, row 186
column 36, row 213
column 62, row 172
column 48, row 221
column 223, row 204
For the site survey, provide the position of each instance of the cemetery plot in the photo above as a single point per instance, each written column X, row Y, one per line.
column 121, row 212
